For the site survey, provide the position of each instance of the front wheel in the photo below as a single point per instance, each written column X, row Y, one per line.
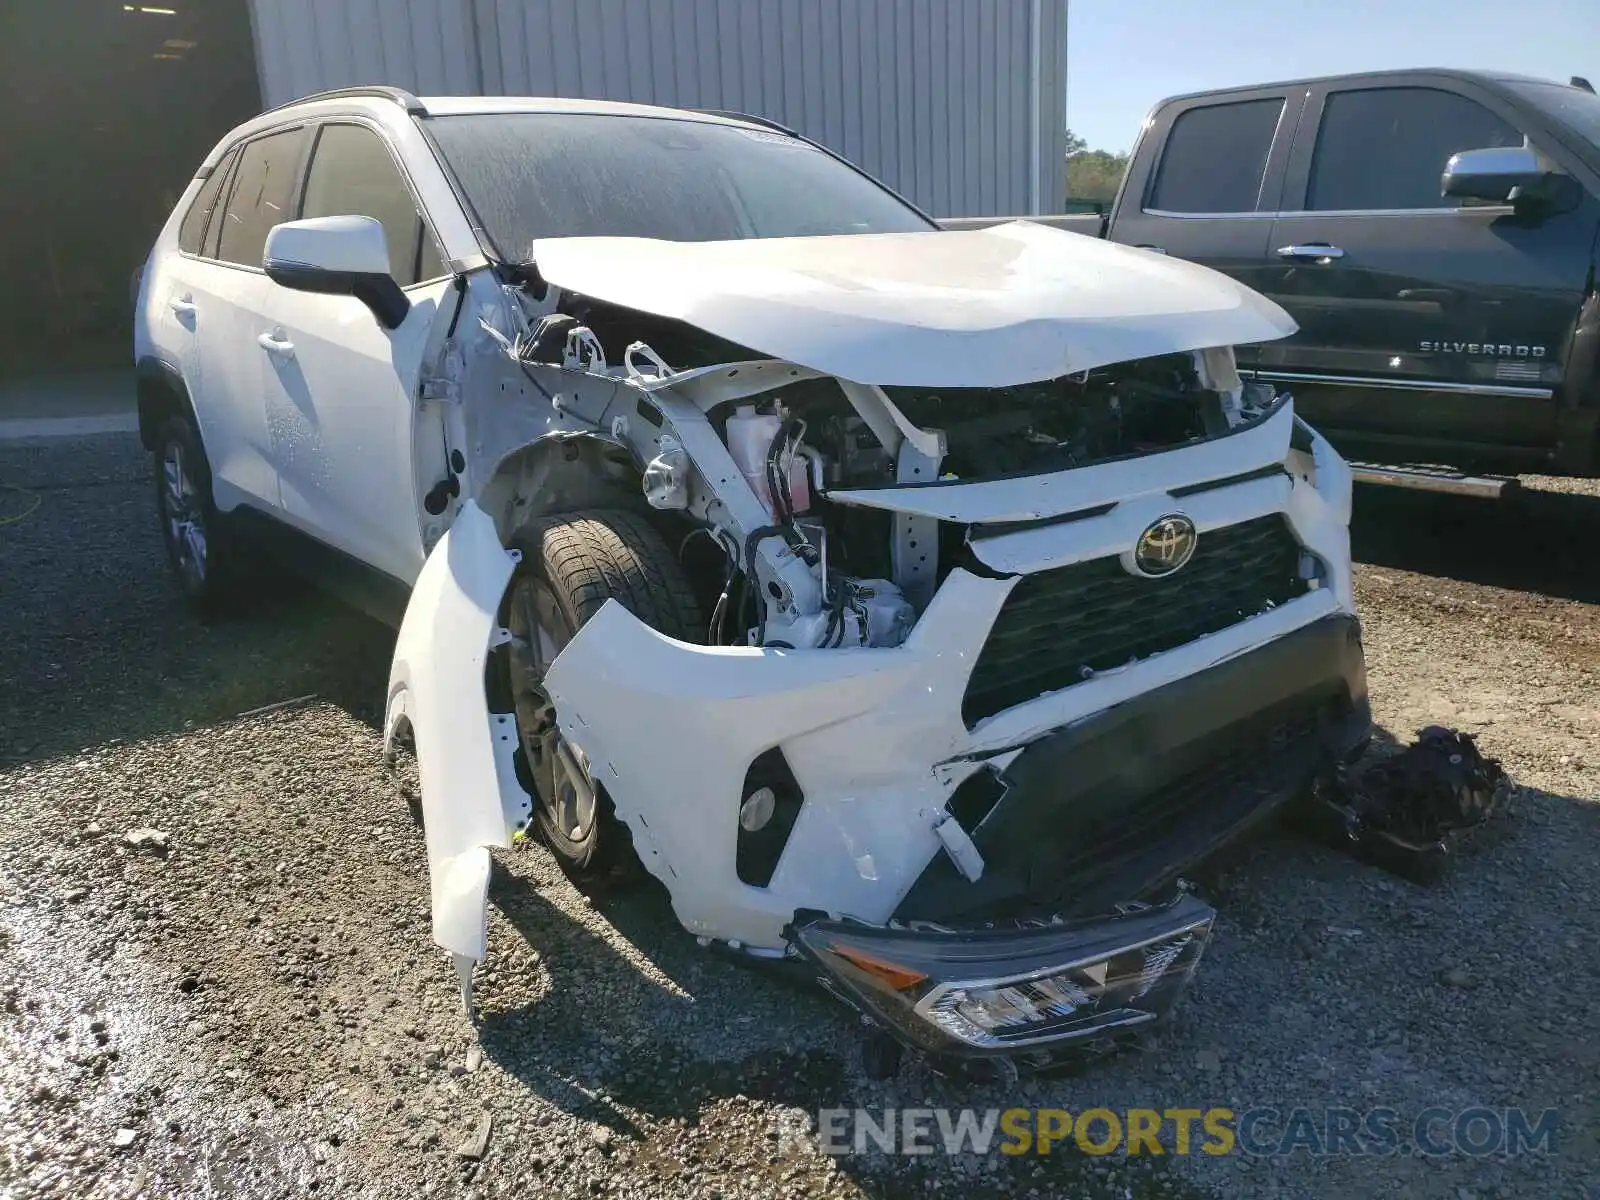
column 571, row 565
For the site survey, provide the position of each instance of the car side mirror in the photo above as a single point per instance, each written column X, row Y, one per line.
column 1492, row 174
column 337, row 256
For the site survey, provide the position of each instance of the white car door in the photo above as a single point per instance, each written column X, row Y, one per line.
column 340, row 391
column 219, row 294
column 168, row 312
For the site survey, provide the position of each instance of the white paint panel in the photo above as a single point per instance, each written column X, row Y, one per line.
column 995, row 307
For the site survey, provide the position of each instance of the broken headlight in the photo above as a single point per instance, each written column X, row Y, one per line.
column 991, row 991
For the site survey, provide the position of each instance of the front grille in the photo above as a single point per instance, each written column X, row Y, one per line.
column 1059, row 627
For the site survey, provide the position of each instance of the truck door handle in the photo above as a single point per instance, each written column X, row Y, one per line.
column 1320, row 251
column 272, row 343
column 1428, row 295
column 181, row 305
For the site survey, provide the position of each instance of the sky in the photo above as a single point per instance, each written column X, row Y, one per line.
column 1124, row 55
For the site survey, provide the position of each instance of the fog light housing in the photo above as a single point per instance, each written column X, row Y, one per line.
column 769, row 804
column 994, row 991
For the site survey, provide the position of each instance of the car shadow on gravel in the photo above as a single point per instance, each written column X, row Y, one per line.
column 98, row 638
column 604, row 1038
column 1531, row 542
column 596, row 994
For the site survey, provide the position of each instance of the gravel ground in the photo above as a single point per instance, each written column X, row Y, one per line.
column 251, row 1005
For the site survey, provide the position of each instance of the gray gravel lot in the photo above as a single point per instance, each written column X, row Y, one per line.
column 257, row 1009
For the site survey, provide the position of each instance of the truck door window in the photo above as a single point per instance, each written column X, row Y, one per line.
column 353, row 174
column 1215, row 157
column 1385, row 148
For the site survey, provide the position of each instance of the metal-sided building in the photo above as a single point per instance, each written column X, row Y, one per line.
column 957, row 104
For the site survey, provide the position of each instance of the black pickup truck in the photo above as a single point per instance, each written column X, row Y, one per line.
column 1433, row 233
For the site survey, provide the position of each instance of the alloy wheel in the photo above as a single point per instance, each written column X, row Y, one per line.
column 183, row 515
column 560, row 771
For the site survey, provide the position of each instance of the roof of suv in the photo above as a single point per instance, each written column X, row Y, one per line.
column 449, row 106
column 379, row 100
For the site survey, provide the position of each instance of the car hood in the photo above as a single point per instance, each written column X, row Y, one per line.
column 1009, row 304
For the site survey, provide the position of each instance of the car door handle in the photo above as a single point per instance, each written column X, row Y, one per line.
column 274, row 343
column 1317, row 250
column 1149, row 247
column 181, row 305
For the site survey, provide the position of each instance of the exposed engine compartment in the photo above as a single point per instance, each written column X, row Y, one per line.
column 806, row 567
column 1053, row 425
column 1114, row 412
column 1127, row 408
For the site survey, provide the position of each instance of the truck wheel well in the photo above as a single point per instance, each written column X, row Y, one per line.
column 161, row 394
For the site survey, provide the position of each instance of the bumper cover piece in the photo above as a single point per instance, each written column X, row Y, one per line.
column 471, row 798
column 1120, row 804
column 1027, row 991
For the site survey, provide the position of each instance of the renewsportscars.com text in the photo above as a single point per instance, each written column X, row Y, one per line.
column 1259, row 1132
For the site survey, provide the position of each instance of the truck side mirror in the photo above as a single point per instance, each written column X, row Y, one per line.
column 1492, row 174
column 337, row 256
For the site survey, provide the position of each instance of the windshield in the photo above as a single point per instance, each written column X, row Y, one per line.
column 550, row 175
column 1573, row 107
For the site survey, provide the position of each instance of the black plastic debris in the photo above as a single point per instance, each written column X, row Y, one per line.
column 1399, row 812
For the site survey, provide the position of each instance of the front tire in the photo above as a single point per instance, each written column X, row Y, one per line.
column 571, row 565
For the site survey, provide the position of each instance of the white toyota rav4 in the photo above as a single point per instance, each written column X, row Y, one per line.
column 915, row 605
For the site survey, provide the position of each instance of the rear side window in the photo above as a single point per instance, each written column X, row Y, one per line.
column 1385, row 148
column 1215, row 158
column 262, row 196
column 194, row 221
column 353, row 174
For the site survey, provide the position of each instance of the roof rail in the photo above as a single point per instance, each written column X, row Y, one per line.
column 399, row 95
column 734, row 115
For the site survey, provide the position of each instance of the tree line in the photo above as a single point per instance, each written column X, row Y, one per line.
column 1092, row 174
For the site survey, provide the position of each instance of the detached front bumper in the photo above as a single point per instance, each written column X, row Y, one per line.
column 1026, row 992
column 1024, row 962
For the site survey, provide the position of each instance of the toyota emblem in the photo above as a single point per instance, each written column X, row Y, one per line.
column 1165, row 546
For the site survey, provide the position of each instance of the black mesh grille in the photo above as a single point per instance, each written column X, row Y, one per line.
column 1058, row 627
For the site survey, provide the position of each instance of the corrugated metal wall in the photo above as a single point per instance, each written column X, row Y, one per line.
column 932, row 96
column 305, row 46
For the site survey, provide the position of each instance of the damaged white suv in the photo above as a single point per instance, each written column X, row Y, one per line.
column 915, row 605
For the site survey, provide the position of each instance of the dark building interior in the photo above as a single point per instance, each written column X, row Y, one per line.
column 108, row 109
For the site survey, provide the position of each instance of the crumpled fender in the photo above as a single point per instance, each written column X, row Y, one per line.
column 471, row 798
